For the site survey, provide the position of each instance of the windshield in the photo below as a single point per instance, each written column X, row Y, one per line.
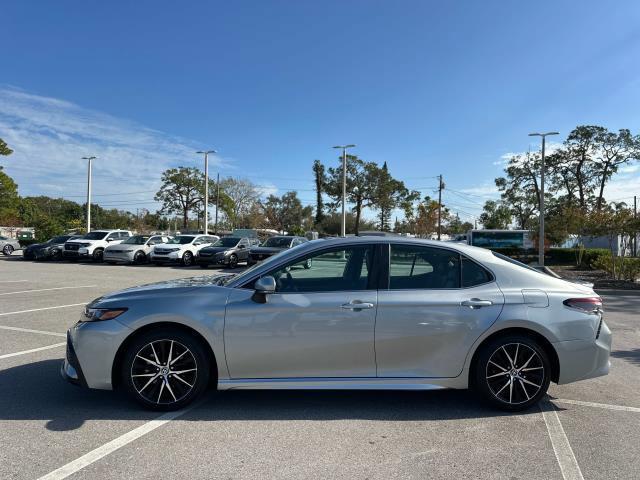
column 227, row 242
column 182, row 240
column 277, row 242
column 515, row 262
column 137, row 240
column 95, row 235
column 59, row 239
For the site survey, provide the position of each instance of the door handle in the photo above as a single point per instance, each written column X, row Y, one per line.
column 356, row 305
column 476, row 303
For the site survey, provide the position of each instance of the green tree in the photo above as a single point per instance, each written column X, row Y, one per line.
column 9, row 199
column 4, row 149
column 495, row 215
column 520, row 188
column 387, row 194
column 319, row 178
column 237, row 198
column 181, row 192
column 286, row 213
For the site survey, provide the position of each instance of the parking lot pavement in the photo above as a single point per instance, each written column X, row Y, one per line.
column 589, row 430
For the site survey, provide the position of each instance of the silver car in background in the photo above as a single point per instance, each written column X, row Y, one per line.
column 368, row 313
column 9, row 245
column 135, row 249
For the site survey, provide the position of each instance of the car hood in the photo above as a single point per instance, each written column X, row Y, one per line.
column 267, row 249
column 169, row 287
column 216, row 249
column 81, row 240
column 38, row 246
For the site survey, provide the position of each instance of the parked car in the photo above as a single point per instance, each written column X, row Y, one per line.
column 91, row 246
column 272, row 246
column 182, row 249
column 49, row 250
column 227, row 251
column 371, row 313
column 9, row 245
column 134, row 249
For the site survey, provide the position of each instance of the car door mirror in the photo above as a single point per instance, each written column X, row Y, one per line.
column 110, row 239
column 241, row 246
column 265, row 285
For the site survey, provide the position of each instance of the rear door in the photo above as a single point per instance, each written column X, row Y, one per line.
column 436, row 304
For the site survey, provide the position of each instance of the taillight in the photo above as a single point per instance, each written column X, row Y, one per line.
column 587, row 305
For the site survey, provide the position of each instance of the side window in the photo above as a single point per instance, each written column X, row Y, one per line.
column 417, row 267
column 473, row 274
column 342, row 269
column 113, row 236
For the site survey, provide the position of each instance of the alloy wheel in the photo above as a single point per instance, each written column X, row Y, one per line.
column 515, row 373
column 164, row 372
column 7, row 250
column 233, row 261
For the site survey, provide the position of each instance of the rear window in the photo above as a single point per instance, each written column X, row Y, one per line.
column 473, row 274
column 515, row 262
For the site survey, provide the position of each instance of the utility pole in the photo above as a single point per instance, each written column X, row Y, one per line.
column 635, row 234
column 215, row 225
column 343, row 230
column 90, row 159
column 542, row 168
column 206, row 189
column 440, row 187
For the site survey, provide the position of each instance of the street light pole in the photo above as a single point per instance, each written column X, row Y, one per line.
column 541, row 200
column 206, row 189
column 90, row 159
column 343, row 230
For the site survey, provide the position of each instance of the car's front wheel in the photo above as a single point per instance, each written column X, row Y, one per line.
column 98, row 255
column 187, row 259
column 165, row 369
column 512, row 372
column 7, row 250
column 233, row 261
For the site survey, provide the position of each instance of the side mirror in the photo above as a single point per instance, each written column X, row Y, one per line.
column 109, row 239
column 241, row 246
column 265, row 285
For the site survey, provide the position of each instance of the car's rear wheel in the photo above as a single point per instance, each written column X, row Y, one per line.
column 187, row 259
column 56, row 255
column 7, row 250
column 233, row 261
column 512, row 372
column 165, row 369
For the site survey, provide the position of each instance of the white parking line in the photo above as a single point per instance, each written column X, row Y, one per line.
column 24, row 352
column 621, row 408
column 47, row 289
column 13, row 281
column 41, row 309
column 28, row 330
column 110, row 447
column 561, row 446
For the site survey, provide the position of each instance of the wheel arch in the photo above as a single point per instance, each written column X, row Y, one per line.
column 119, row 357
column 537, row 336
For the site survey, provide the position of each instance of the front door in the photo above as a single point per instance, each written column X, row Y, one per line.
column 437, row 304
column 319, row 323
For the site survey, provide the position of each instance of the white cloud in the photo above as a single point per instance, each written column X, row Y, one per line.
column 49, row 136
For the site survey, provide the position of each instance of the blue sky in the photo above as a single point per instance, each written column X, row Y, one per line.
column 430, row 87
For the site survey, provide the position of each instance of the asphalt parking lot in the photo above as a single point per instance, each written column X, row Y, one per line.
column 51, row 429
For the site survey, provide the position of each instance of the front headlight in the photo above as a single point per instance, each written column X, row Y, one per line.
column 98, row 314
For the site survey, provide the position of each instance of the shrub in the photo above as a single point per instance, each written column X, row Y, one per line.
column 620, row 268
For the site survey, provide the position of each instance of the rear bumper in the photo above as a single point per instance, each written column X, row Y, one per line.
column 583, row 359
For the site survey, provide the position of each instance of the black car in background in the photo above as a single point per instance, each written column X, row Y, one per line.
column 227, row 251
column 272, row 246
column 49, row 250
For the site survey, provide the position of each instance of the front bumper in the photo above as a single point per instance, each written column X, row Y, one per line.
column 82, row 253
column 583, row 359
column 124, row 257
column 170, row 258
column 91, row 350
column 213, row 259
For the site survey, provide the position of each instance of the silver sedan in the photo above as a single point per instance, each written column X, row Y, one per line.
column 370, row 313
column 9, row 245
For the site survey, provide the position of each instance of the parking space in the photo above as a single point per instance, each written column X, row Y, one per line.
column 589, row 429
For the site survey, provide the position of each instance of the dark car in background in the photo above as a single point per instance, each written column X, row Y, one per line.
column 273, row 246
column 49, row 250
column 228, row 251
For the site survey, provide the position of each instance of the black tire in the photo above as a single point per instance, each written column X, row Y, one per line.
column 139, row 258
column 7, row 250
column 187, row 259
column 233, row 261
column 97, row 255
column 56, row 255
column 511, row 386
column 148, row 389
